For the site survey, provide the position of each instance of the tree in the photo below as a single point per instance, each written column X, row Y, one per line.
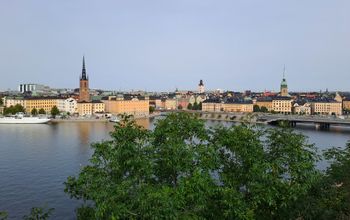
column 264, row 109
column 151, row 109
column 34, row 111
column 54, row 111
column 179, row 107
column 3, row 215
column 42, row 111
column 182, row 169
column 189, row 106
column 14, row 109
column 256, row 108
column 1, row 101
column 195, row 106
column 200, row 106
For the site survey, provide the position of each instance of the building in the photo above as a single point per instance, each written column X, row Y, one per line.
column 90, row 108
column 46, row 103
column 282, row 104
column 302, row 108
column 84, row 93
column 229, row 105
column 284, row 86
column 12, row 101
column 169, row 103
column 264, row 102
column 201, row 87
column 127, row 104
column 326, row 107
column 346, row 104
column 70, row 106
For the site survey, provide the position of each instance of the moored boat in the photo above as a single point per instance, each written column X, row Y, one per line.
column 19, row 118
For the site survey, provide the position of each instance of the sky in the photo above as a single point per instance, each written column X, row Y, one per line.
column 161, row 45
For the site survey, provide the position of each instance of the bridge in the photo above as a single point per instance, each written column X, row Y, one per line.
column 323, row 122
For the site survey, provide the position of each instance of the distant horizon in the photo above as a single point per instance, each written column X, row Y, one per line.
column 160, row 45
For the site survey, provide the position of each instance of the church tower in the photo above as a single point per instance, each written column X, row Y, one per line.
column 84, row 95
column 284, row 86
column 201, row 87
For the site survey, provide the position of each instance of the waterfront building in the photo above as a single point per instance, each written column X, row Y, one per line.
column 302, row 108
column 346, row 104
column 84, row 93
column 169, row 103
column 33, row 88
column 2, row 110
column 46, row 103
column 229, row 105
column 128, row 104
column 12, row 101
column 264, row 102
column 282, row 104
column 326, row 107
column 201, row 87
column 90, row 108
column 70, row 106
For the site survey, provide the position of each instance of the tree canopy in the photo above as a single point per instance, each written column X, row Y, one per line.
column 182, row 169
column 42, row 111
column 54, row 111
column 34, row 111
column 14, row 109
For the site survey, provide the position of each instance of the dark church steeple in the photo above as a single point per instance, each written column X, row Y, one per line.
column 83, row 72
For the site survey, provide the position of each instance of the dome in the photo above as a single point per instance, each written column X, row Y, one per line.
column 284, row 83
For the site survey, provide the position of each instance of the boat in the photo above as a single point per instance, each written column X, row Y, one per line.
column 19, row 118
column 114, row 119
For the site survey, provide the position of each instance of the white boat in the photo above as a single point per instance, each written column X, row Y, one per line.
column 20, row 119
column 114, row 119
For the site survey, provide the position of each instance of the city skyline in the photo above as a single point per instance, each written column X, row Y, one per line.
column 158, row 46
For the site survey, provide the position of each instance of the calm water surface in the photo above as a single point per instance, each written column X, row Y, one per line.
column 35, row 160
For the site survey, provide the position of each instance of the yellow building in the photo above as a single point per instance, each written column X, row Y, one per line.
column 132, row 105
column 325, row 107
column 346, row 104
column 231, row 106
column 46, row 103
column 90, row 108
column 12, row 101
column 282, row 104
column 267, row 103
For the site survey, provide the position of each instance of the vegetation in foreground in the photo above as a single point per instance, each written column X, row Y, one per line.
column 183, row 170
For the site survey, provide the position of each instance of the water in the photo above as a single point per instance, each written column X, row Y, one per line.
column 35, row 160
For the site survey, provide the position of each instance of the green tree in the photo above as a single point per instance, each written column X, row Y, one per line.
column 1, row 101
column 256, row 108
column 179, row 107
column 3, row 215
column 14, row 109
column 42, row 111
column 34, row 111
column 264, row 109
column 54, row 111
column 200, row 106
column 151, row 109
column 189, row 106
column 195, row 106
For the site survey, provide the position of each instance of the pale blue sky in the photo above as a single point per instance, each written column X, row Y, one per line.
column 162, row 44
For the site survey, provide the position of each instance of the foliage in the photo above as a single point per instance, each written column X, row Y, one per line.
column 184, row 170
column 264, row 109
column 3, row 215
column 39, row 213
column 151, row 109
column 54, row 111
column 256, row 108
column 13, row 109
column 1, row 101
column 179, row 107
column 34, row 111
column 42, row 111
column 189, row 106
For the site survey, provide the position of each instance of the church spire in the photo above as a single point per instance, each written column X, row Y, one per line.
column 83, row 72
